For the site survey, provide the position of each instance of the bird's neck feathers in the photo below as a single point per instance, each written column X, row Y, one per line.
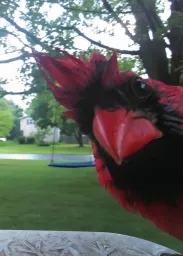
column 152, row 174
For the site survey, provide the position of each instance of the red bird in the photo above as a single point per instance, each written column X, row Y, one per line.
column 136, row 129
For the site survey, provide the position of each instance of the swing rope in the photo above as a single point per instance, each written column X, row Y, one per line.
column 62, row 164
column 54, row 139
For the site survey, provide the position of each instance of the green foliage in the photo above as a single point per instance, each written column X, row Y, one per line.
column 2, row 82
column 39, row 109
column 55, row 23
column 180, row 69
column 26, row 140
column 67, row 126
column 21, row 140
column 41, row 135
column 6, row 118
column 176, row 21
column 181, row 78
column 3, row 32
column 49, row 31
column 47, row 112
column 30, row 140
column 17, row 115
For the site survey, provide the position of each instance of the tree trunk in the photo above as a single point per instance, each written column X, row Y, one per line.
column 152, row 50
column 176, row 39
column 155, row 61
column 79, row 138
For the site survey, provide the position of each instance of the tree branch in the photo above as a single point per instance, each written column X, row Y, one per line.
column 89, row 11
column 12, row 34
column 152, row 17
column 24, row 31
column 37, row 40
column 10, row 52
column 82, row 10
column 5, row 93
column 123, row 25
column 20, row 57
column 153, row 20
column 98, row 43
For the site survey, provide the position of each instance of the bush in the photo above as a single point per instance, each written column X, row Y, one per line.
column 41, row 135
column 30, row 140
column 42, row 143
column 21, row 140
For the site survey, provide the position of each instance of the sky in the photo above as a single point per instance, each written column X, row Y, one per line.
column 10, row 71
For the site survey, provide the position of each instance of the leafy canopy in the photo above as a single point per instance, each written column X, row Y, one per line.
column 6, row 118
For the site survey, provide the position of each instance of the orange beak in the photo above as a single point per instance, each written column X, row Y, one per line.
column 122, row 133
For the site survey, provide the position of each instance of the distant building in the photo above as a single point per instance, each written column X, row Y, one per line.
column 29, row 128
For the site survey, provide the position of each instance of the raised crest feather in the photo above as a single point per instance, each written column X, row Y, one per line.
column 69, row 76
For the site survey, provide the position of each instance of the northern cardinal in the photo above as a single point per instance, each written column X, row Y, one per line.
column 136, row 129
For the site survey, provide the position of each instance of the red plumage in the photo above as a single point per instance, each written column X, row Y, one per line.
column 74, row 75
column 165, row 217
column 148, row 137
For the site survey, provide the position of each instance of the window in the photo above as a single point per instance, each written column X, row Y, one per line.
column 30, row 121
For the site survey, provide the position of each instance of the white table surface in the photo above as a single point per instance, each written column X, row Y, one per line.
column 60, row 243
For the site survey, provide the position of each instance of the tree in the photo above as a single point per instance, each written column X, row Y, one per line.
column 150, row 35
column 6, row 118
column 70, row 128
column 41, row 111
column 17, row 115
column 41, row 135
column 47, row 112
column 30, row 24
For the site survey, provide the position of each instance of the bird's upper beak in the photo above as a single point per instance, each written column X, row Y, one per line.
column 122, row 133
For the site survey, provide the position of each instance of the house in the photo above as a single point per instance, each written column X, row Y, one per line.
column 29, row 129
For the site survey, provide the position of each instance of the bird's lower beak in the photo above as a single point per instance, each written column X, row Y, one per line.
column 122, row 133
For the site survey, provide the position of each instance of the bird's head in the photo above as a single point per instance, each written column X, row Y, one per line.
column 120, row 110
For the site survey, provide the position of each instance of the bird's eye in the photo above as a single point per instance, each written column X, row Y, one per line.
column 140, row 89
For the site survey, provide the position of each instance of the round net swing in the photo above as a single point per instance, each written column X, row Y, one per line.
column 70, row 161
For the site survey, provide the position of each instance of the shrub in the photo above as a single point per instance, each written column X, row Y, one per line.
column 30, row 140
column 21, row 140
column 42, row 143
column 41, row 135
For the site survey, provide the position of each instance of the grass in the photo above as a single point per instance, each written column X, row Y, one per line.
column 34, row 196
column 13, row 147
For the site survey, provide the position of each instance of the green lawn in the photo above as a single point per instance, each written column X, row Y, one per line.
column 34, row 196
column 12, row 147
